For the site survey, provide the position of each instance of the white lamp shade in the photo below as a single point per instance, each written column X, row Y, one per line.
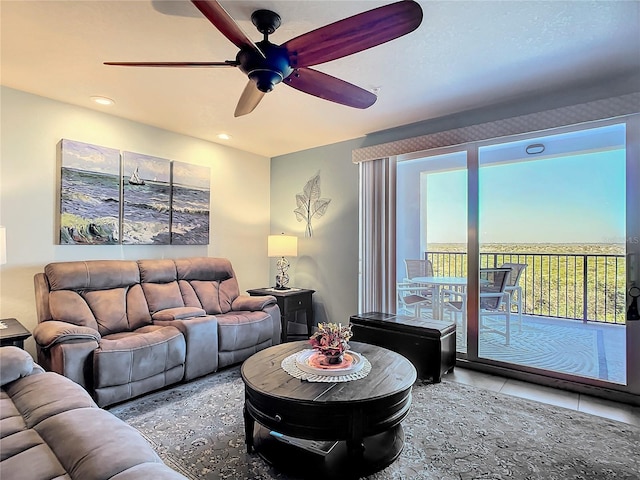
column 3, row 246
column 282, row 246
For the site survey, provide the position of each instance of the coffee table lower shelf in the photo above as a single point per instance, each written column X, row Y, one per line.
column 380, row 451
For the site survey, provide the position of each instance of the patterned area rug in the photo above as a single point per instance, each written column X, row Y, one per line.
column 452, row 432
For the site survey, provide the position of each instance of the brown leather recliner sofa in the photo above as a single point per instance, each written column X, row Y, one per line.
column 51, row 428
column 124, row 328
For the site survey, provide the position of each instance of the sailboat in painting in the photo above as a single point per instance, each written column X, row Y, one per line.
column 135, row 178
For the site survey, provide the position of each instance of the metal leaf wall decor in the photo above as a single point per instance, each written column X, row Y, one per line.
column 309, row 204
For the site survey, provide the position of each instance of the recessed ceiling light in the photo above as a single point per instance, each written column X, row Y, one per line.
column 224, row 136
column 102, row 100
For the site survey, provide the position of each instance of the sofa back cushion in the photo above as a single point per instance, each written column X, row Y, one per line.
column 101, row 294
column 209, row 283
column 160, row 284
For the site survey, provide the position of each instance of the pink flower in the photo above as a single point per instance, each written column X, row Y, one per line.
column 331, row 338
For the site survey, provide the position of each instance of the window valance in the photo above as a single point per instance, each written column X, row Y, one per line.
column 584, row 112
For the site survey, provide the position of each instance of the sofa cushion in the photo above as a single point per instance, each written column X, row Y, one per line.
column 213, row 281
column 204, row 268
column 161, row 296
column 53, row 397
column 109, row 309
column 208, row 294
column 68, row 306
column 97, row 294
column 127, row 357
column 239, row 330
column 92, row 275
column 137, row 309
column 157, row 271
column 102, row 445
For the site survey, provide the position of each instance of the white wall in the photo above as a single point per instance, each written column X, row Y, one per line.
column 31, row 128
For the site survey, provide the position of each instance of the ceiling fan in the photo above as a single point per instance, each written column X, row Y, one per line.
column 268, row 64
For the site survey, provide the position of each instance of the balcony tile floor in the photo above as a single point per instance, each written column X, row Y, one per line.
column 575, row 401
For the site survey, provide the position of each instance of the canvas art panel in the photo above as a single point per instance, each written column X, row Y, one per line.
column 190, row 204
column 146, row 196
column 89, row 194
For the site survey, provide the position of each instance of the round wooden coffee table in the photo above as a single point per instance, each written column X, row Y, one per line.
column 363, row 416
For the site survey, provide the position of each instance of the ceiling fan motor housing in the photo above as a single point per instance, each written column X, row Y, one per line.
column 266, row 72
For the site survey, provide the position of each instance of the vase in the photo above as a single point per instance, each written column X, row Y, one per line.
column 333, row 359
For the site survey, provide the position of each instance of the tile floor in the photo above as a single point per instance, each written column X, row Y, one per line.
column 584, row 403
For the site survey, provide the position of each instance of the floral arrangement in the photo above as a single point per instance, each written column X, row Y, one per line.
column 331, row 338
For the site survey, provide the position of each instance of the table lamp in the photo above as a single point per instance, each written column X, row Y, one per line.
column 279, row 246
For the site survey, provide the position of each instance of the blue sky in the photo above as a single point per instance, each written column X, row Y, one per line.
column 567, row 199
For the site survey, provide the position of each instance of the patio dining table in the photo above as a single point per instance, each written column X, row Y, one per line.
column 440, row 282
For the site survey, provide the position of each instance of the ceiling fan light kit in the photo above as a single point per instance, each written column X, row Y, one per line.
column 267, row 64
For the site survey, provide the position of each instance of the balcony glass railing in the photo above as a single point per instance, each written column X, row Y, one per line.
column 587, row 287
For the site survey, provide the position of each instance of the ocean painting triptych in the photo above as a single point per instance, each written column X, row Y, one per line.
column 108, row 197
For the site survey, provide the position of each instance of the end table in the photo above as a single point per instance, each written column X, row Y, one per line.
column 12, row 332
column 290, row 301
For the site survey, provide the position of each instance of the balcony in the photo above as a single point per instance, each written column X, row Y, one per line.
column 573, row 312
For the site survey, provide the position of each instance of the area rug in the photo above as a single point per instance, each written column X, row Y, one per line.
column 453, row 431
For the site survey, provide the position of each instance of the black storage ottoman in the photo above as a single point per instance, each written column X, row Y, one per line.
column 429, row 344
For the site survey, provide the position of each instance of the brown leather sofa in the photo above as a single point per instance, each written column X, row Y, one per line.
column 51, row 428
column 124, row 328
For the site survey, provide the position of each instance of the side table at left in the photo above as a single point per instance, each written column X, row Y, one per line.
column 12, row 332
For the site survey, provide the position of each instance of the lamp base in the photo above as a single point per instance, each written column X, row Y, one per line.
column 280, row 287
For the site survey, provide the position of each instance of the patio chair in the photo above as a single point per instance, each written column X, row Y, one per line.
column 513, row 287
column 410, row 300
column 419, row 268
column 494, row 301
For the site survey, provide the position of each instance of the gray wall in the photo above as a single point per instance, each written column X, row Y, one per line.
column 327, row 262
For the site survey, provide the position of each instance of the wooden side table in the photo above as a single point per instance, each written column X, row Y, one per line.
column 290, row 301
column 14, row 334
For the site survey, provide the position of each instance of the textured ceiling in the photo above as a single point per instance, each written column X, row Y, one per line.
column 466, row 54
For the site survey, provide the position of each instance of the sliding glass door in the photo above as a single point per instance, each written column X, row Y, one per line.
column 531, row 245
column 552, row 211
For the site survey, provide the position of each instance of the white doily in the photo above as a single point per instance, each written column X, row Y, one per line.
column 290, row 365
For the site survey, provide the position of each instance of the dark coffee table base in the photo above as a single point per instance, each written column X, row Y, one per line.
column 380, row 451
column 364, row 414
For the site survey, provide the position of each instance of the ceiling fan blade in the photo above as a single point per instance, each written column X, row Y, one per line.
column 249, row 99
column 216, row 14
column 354, row 34
column 227, row 63
column 330, row 88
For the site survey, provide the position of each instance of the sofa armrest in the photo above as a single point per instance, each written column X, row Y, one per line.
column 49, row 333
column 252, row 304
column 16, row 363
